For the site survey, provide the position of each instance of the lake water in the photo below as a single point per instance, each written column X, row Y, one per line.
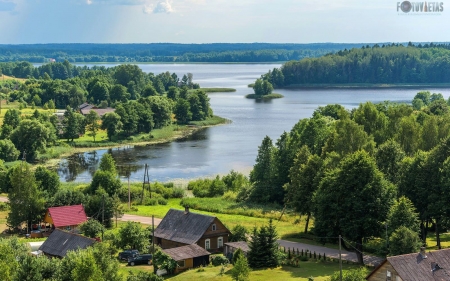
column 219, row 149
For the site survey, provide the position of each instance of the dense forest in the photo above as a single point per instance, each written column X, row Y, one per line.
column 142, row 102
column 167, row 52
column 354, row 172
column 385, row 64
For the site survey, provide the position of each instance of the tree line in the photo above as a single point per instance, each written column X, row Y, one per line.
column 386, row 64
column 167, row 52
column 379, row 167
column 142, row 102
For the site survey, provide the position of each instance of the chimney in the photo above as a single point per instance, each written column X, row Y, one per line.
column 423, row 253
column 186, row 210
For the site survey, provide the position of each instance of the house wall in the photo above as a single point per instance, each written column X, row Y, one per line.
column 188, row 263
column 48, row 218
column 167, row 244
column 381, row 273
column 213, row 235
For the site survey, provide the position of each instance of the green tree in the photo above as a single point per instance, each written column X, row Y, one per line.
column 149, row 91
column 429, row 134
column 111, row 123
column 73, row 124
column 353, row 200
column 182, row 111
column 28, row 270
column 262, row 174
column 8, row 151
column 92, row 123
column 117, row 207
column 11, row 253
column 91, row 228
column 173, row 93
column 264, row 247
column 241, row 270
column 47, row 180
column 100, row 207
column 119, row 93
column 133, row 236
column 374, row 122
column 99, row 92
column 106, row 180
column 25, row 200
column 403, row 241
column 108, row 164
column 403, row 213
column 408, row 135
column 389, row 157
column 238, row 233
column 12, row 118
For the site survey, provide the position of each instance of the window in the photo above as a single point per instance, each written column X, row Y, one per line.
column 207, row 244
column 181, row 263
column 388, row 275
column 219, row 242
column 214, row 227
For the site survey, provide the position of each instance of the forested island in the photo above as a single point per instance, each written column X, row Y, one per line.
column 167, row 52
column 94, row 107
column 385, row 65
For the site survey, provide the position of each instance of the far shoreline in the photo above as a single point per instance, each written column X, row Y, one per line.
column 365, row 86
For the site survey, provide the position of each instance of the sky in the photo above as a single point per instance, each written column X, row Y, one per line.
column 209, row 21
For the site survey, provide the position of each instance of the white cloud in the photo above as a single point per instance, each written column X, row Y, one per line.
column 89, row 2
column 161, row 7
column 7, row 5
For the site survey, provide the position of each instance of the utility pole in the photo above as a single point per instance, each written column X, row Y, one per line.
column 153, row 243
column 340, row 259
column 146, row 183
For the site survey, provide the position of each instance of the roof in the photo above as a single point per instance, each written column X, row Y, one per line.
column 239, row 245
column 59, row 242
column 100, row 111
column 85, row 105
column 183, row 227
column 67, row 215
column 186, row 252
column 413, row 267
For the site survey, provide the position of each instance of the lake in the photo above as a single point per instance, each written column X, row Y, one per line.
column 217, row 150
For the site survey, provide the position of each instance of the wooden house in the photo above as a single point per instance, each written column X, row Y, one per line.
column 85, row 108
column 60, row 242
column 189, row 256
column 181, row 228
column 231, row 247
column 65, row 217
column 423, row 266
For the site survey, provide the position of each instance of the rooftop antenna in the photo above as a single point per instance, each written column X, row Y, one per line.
column 146, row 183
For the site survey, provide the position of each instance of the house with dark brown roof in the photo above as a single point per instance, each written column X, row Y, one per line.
column 423, row 266
column 60, row 242
column 189, row 256
column 65, row 217
column 85, row 108
column 181, row 228
column 231, row 247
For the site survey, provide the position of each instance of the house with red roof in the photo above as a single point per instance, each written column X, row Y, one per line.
column 66, row 217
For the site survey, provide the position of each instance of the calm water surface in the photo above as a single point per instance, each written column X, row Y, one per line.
column 219, row 149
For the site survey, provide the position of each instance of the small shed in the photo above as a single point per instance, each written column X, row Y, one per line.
column 60, row 242
column 189, row 256
column 66, row 217
column 230, row 247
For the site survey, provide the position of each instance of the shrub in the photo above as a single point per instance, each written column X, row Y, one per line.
column 230, row 196
column 162, row 201
column 219, row 260
column 4, row 206
column 150, row 201
column 178, row 192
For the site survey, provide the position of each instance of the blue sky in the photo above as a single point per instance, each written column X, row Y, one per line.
column 205, row 21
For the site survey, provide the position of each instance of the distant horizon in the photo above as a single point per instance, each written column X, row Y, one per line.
column 210, row 43
column 201, row 21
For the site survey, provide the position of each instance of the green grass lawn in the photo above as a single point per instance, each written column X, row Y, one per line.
column 319, row 270
column 431, row 240
column 287, row 227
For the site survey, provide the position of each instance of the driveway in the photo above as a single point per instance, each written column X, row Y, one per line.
column 350, row 256
column 141, row 219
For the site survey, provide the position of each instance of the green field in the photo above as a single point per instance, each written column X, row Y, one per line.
column 290, row 225
column 218, row 90
column 319, row 270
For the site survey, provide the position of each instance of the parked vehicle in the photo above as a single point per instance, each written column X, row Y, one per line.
column 141, row 259
column 128, row 254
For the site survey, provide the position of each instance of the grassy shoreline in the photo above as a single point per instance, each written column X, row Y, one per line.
column 265, row 97
column 367, row 86
column 168, row 134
